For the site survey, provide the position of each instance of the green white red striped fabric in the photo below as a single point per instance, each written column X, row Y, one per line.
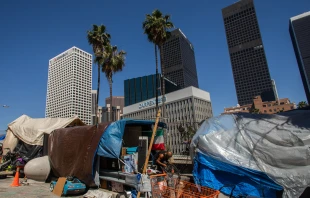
column 159, row 142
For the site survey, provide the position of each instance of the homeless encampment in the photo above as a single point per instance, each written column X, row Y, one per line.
column 25, row 134
column 75, row 151
column 254, row 154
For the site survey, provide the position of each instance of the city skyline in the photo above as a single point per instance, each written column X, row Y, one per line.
column 212, row 59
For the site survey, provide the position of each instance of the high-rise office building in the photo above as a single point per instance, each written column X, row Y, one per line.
column 300, row 34
column 115, row 112
column 69, row 85
column 179, row 60
column 143, row 88
column 247, row 54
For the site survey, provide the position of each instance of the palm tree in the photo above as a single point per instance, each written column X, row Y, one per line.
column 98, row 38
column 156, row 26
column 302, row 104
column 113, row 61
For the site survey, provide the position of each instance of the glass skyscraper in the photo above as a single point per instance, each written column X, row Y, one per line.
column 143, row 88
column 300, row 34
column 179, row 60
column 247, row 54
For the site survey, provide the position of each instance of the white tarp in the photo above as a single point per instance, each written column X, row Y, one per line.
column 31, row 130
column 278, row 145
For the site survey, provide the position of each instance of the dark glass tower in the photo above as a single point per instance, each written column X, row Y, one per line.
column 247, row 54
column 300, row 34
column 144, row 88
column 179, row 60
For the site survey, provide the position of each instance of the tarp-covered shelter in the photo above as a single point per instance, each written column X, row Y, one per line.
column 254, row 154
column 29, row 132
column 74, row 151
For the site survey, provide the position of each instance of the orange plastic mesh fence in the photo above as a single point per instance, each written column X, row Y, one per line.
column 165, row 187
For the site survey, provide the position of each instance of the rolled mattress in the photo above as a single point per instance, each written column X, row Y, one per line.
column 38, row 169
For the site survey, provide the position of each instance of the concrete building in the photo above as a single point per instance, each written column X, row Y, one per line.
column 69, row 85
column 144, row 88
column 299, row 28
column 179, row 60
column 270, row 107
column 247, row 54
column 186, row 106
column 114, row 113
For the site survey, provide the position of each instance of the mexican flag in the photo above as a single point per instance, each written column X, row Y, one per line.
column 159, row 143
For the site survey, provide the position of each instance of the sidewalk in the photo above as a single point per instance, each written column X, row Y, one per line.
column 33, row 190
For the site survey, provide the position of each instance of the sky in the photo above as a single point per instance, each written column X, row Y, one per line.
column 34, row 31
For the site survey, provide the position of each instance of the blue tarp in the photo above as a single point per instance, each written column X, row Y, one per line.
column 216, row 174
column 111, row 141
column 2, row 137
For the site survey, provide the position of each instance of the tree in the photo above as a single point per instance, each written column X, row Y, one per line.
column 98, row 38
column 302, row 104
column 156, row 26
column 187, row 133
column 113, row 61
column 254, row 111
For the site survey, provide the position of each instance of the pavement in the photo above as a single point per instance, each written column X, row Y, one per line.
column 33, row 190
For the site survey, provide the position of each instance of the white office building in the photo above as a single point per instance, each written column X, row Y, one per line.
column 69, row 85
column 186, row 106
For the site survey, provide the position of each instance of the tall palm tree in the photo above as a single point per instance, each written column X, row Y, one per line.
column 98, row 38
column 113, row 61
column 156, row 26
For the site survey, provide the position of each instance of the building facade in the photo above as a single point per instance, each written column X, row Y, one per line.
column 179, row 60
column 116, row 112
column 299, row 28
column 69, row 85
column 270, row 107
column 143, row 88
column 186, row 106
column 247, row 54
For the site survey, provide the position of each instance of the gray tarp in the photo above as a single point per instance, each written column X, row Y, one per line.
column 278, row 145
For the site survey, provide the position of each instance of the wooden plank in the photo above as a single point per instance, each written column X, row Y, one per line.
column 150, row 146
column 60, row 186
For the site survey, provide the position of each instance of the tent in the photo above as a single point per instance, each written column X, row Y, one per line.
column 74, row 151
column 30, row 131
column 254, row 154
